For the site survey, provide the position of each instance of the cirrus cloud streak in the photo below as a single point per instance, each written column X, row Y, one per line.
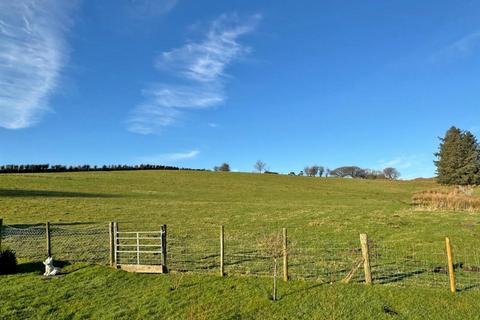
column 201, row 66
column 166, row 158
column 32, row 54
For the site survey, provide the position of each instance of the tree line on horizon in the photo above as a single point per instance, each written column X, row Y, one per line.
column 355, row 172
column 39, row 168
column 320, row 171
column 458, row 163
column 260, row 166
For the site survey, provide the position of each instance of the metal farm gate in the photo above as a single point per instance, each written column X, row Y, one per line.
column 140, row 251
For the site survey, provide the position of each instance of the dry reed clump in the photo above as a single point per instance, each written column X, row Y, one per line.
column 456, row 199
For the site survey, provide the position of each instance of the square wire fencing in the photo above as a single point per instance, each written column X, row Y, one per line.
column 77, row 242
column 300, row 253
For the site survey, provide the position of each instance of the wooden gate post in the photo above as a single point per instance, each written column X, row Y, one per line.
column 451, row 270
column 285, row 255
column 366, row 258
column 116, row 243
column 112, row 244
column 1, row 225
column 49, row 243
column 164, row 248
column 222, row 251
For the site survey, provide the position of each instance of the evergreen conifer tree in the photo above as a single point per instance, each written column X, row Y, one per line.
column 469, row 171
column 458, row 158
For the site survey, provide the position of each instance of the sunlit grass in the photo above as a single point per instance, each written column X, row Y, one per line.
column 323, row 216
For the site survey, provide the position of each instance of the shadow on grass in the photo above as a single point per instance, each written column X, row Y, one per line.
column 53, row 194
column 38, row 267
column 302, row 290
column 468, row 288
column 398, row 277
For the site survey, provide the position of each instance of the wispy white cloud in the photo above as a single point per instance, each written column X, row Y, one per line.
column 462, row 47
column 411, row 166
column 466, row 44
column 400, row 162
column 149, row 8
column 175, row 96
column 32, row 54
column 201, row 66
column 213, row 125
column 206, row 61
column 149, row 118
column 166, row 158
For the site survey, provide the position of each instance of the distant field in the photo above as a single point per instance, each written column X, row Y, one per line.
column 324, row 217
column 342, row 207
column 339, row 208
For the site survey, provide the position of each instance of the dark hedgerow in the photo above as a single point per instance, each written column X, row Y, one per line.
column 8, row 262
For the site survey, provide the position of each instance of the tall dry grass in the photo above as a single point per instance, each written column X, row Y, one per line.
column 456, row 199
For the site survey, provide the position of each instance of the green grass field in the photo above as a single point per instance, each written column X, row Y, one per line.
column 324, row 217
column 339, row 208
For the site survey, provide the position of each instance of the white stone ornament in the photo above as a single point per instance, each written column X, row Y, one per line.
column 50, row 270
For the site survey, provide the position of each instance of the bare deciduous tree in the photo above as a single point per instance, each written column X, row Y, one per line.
column 224, row 167
column 349, row 171
column 260, row 166
column 321, row 170
column 391, row 173
column 312, row 171
column 306, row 170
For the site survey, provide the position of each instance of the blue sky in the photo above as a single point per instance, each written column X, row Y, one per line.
column 197, row 83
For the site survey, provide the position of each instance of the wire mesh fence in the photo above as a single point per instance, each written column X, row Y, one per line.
column 28, row 241
column 311, row 256
column 193, row 248
column 404, row 263
column 80, row 243
column 73, row 242
column 425, row 264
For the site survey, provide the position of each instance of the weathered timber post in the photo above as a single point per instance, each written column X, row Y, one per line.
column 285, row 255
column 49, row 243
column 112, row 243
column 1, row 225
column 164, row 248
column 138, row 248
column 366, row 258
column 451, row 270
column 116, row 243
column 274, row 296
column 222, row 251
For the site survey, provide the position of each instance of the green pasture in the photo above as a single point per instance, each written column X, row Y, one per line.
column 323, row 216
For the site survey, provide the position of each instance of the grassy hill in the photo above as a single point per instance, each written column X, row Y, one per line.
column 339, row 208
column 316, row 211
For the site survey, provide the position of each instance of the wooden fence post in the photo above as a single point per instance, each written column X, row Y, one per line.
column 366, row 258
column 112, row 244
column 285, row 255
column 49, row 243
column 164, row 248
column 1, row 225
column 222, row 251
column 274, row 296
column 116, row 243
column 451, row 270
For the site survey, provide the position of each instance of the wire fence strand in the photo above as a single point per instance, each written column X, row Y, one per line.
column 311, row 256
